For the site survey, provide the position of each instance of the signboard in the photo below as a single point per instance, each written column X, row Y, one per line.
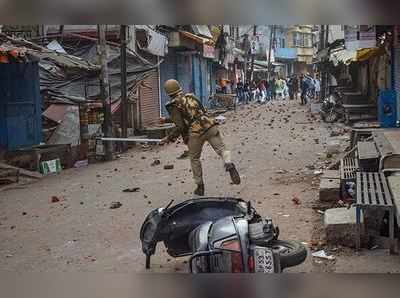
column 359, row 37
column 208, row 51
column 272, row 54
column 367, row 36
column 254, row 45
column 154, row 43
column 351, row 33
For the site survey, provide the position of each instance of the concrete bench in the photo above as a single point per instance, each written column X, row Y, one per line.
column 373, row 192
column 368, row 156
column 358, row 112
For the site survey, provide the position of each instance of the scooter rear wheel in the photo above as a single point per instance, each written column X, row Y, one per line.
column 291, row 253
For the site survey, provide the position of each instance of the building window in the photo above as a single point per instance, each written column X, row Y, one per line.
column 231, row 31
column 302, row 40
column 297, row 39
column 307, row 40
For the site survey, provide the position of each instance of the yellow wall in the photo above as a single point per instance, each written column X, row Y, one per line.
column 305, row 51
column 304, row 54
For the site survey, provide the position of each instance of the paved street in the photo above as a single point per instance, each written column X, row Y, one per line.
column 272, row 145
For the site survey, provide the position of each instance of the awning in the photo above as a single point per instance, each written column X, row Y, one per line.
column 263, row 66
column 333, row 47
column 322, row 54
column 202, row 30
column 196, row 38
column 286, row 53
column 261, row 63
column 344, row 56
column 365, row 54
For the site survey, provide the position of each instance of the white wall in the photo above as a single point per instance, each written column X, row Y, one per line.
column 335, row 32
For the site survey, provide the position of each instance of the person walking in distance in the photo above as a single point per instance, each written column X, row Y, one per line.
column 273, row 88
column 196, row 128
column 295, row 87
column 317, row 83
column 240, row 90
column 304, row 87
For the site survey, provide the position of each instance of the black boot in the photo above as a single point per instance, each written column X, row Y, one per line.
column 184, row 155
column 235, row 177
column 199, row 191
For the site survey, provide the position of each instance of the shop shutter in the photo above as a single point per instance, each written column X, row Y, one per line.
column 149, row 100
column 196, row 74
column 212, row 77
column 168, row 70
column 184, row 71
column 205, row 81
column 397, row 78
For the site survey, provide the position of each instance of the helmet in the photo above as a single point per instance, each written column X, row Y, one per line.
column 172, row 87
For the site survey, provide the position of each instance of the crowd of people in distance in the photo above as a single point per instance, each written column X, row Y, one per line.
column 277, row 88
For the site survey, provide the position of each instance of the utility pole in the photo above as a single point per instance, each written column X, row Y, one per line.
column 124, row 98
column 105, row 94
column 322, row 71
column 253, row 54
column 246, row 43
column 327, row 75
column 136, row 111
column 326, row 35
column 321, row 38
column 271, row 36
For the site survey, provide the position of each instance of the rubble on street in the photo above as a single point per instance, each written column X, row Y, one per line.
column 282, row 185
column 129, row 135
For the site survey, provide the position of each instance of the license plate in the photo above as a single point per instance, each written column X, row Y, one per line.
column 263, row 260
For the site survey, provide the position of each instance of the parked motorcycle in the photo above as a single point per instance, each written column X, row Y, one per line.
column 332, row 108
column 220, row 235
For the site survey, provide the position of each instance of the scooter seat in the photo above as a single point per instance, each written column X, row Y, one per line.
column 198, row 238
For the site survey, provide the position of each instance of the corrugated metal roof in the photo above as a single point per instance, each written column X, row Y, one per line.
column 55, row 46
column 56, row 112
column 71, row 79
column 61, row 59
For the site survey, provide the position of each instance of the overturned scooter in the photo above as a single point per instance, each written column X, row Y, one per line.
column 332, row 108
column 224, row 235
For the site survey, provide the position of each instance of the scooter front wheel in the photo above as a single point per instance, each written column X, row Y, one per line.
column 331, row 116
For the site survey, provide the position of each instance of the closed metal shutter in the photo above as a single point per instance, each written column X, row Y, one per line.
column 168, row 70
column 213, row 77
column 184, row 72
column 205, row 81
column 397, row 78
column 196, row 73
column 149, row 100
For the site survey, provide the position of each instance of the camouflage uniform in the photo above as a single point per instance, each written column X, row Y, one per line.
column 195, row 127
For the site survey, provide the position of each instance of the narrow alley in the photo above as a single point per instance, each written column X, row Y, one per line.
column 64, row 222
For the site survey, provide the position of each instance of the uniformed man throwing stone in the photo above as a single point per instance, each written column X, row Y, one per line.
column 196, row 128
